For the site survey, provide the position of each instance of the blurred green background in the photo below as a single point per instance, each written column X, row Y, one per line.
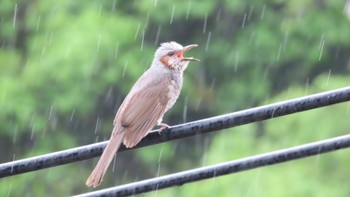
column 65, row 67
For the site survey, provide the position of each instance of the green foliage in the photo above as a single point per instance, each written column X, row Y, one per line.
column 65, row 66
column 164, row 11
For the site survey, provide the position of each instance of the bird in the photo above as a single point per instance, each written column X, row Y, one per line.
column 153, row 94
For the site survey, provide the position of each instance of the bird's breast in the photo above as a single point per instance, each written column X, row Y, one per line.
column 174, row 89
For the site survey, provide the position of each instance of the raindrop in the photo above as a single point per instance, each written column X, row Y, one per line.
column 205, row 23
column 199, row 101
column 212, row 83
column 273, row 113
column 319, row 58
column 155, row 193
column 72, row 115
column 172, row 15
column 43, row 133
column 14, row 16
column 137, row 31
column 321, row 47
column 38, row 23
column 155, row 3
column 244, row 18
column 184, row 112
column 14, row 137
column 142, row 40
column 109, row 94
column 49, row 174
column 98, row 43
column 114, row 5
column 125, row 66
column 97, row 124
column 208, row 40
column 285, row 39
column 51, row 117
column 99, row 10
column 125, row 175
column 307, row 85
column 136, row 178
column 263, row 12
column 13, row 159
column 10, row 188
column 188, row 10
column 157, row 35
column 146, row 21
column 218, row 15
column 96, row 139
column 116, row 50
column 50, row 38
column 266, row 72
column 33, row 126
column 160, row 155
column 50, row 112
column 214, row 182
column 250, row 12
column 174, row 149
column 204, row 159
column 317, row 162
column 32, row 133
column 252, row 35
column 279, row 52
column 328, row 76
column 159, row 159
column 43, row 52
column 114, row 162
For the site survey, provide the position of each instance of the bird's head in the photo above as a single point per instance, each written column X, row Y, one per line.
column 170, row 55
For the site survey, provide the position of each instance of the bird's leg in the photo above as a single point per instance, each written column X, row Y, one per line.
column 162, row 126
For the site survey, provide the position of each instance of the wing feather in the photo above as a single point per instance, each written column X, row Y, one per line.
column 143, row 111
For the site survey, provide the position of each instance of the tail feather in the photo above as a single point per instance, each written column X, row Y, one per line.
column 107, row 156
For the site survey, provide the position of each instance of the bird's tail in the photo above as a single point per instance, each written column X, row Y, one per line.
column 107, row 156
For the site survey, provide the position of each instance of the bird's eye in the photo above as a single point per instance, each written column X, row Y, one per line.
column 171, row 53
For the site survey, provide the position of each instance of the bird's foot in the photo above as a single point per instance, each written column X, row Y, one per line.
column 163, row 126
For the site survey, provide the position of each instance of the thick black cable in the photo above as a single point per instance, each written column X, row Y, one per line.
column 181, row 131
column 234, row 166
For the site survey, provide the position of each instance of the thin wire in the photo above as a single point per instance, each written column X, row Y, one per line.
column 181, row 131
column 234, row 166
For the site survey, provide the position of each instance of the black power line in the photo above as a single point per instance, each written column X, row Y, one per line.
column 234, row 166
column 184, row 130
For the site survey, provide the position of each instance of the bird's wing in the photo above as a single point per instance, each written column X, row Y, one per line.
column 143, row 111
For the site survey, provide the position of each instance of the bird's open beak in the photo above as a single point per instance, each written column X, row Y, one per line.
column 186, row 48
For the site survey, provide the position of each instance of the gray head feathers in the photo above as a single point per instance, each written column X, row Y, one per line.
column 167, row 47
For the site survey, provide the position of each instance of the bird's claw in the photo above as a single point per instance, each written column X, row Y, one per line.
column 163, row 126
